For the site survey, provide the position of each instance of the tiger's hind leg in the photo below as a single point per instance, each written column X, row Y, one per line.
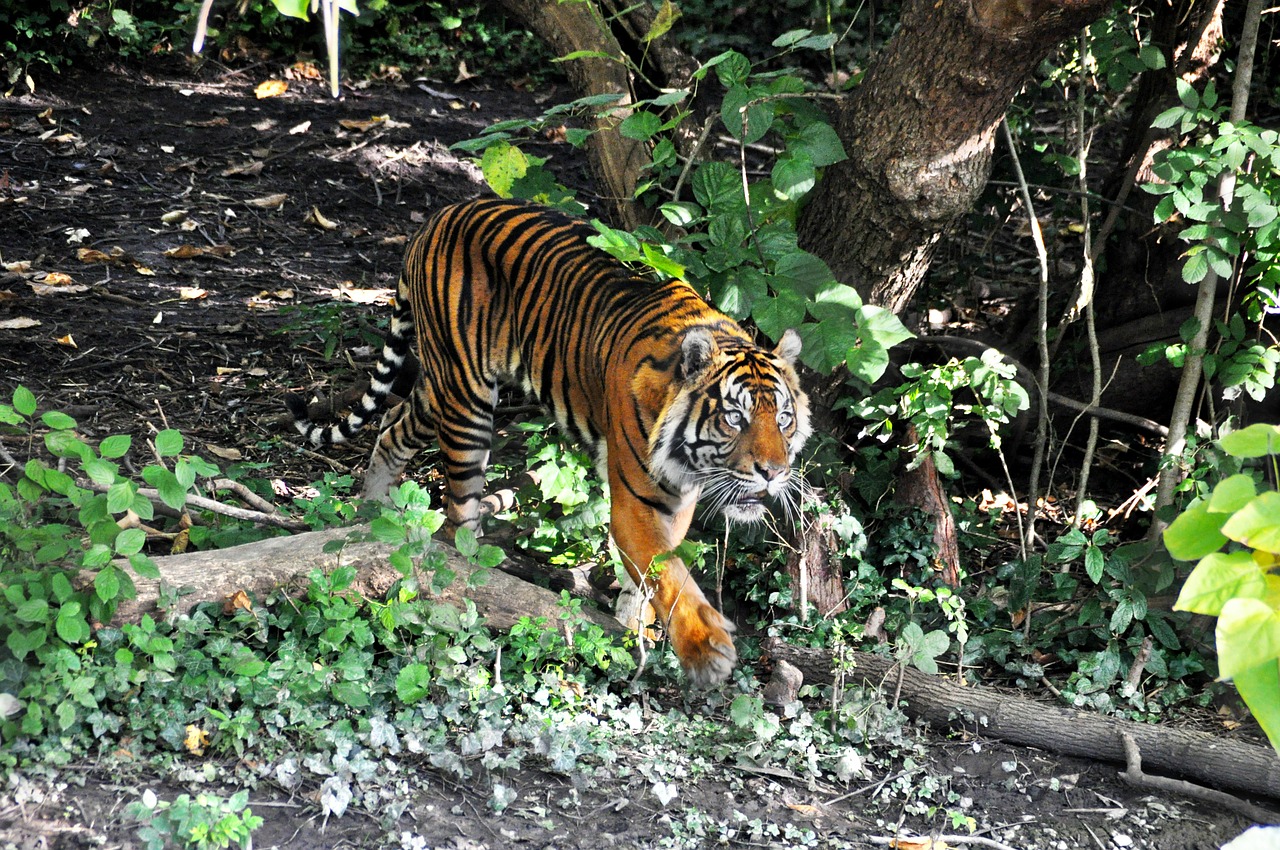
column 465, row 433
column 406, row 429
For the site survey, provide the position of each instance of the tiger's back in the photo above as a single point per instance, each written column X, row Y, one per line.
column 672, row 396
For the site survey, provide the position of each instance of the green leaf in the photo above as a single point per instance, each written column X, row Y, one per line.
column 680, row 213
column 640, row 126
column 731, row 67
column 465, row 542
column 130, row 541
column 168, row 443
column 70, row 624
column 882, row 325
column 585, row 54
column 351, row 694
column 413, row 683
column 1187, row 94
column 1248, row 635
column 793, row 175
column 1232, row 494
column 1257, row 524
column 654, row 258
column 292, row 8
column 1258, row 440
column 1259, row 687
column 33, row 611
column 1195, row 533
column 502, row 165
column 745, row 115
column 790, row 37
column 100, row 471
column 718, row 188
column 744, row 710
column 1196, row 268
column 775, row 316
column 106, row 584
column 1217, row 578
column 1094, row 563
column 58, row 420
column 821, row 143
column 144, row 566
column 804, row 273
column 116, row 446
column 24, row 401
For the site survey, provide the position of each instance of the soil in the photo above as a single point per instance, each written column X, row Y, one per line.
column 178, row 321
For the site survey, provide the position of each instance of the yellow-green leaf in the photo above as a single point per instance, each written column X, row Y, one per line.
column 1257, row 524
column 1217, row 578
column 1195, row 533
column 1259, row 687
column 1232, row 494
column 667, row 15
column 1248, row 635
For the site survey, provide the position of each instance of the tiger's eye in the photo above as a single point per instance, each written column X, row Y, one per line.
column 733, row 419
column 785, row 418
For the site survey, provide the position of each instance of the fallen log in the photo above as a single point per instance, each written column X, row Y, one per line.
column 266, row 565
column 1208, row 759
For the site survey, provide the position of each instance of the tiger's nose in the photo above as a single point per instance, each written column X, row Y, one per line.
column 770, row 470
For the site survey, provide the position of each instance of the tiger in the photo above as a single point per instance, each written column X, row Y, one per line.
column 673, row 398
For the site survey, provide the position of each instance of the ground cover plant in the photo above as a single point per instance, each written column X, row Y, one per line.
column 408, row 714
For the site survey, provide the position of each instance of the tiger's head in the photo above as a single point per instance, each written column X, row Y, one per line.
column 734, row 425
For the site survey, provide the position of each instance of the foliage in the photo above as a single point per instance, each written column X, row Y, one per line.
column 930, row 400
column 1249, row 226
column 1239, row 585
column 737, row 240
column 206, row 823
column 51, row 603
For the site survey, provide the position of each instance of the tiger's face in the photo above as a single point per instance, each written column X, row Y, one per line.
column 735, row 425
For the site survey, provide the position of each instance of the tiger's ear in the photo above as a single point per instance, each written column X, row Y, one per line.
column 696, row 350
column 789, row 346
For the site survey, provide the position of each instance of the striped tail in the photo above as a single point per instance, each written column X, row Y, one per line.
column 394, row 353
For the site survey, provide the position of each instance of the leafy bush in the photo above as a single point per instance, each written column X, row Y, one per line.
column 1239, row 586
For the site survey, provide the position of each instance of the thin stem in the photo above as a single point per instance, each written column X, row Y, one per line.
column 1086, row 288
column 1184, row 402
column 1042, row 337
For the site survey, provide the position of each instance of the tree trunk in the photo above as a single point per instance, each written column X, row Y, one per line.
column 919, row 132
column 261, row 567
column 615, row 160
column 1213, row 760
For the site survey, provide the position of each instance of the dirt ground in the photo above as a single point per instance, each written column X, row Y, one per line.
column 168, row 217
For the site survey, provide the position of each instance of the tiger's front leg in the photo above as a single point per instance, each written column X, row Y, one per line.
column 700, row 635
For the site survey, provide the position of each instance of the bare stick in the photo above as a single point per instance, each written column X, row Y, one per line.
column 1042, row 328
column 209, row 505
column 1134, row 776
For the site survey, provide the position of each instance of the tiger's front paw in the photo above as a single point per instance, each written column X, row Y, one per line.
column 702, row 640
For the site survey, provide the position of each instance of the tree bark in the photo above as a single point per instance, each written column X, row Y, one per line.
column 261, row 567
column 919, row 132
column 1211, row 760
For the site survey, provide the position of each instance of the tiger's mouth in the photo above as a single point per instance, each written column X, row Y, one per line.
column 748, row 507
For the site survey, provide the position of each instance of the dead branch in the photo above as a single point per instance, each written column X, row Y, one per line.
column 1213, row 760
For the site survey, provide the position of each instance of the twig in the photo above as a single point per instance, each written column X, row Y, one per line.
column 244, row 494
column 209, row 505
column 1042, row 328
column 1086, row 296
column 1139, row 663
column 944, row 841
column 1134, row 776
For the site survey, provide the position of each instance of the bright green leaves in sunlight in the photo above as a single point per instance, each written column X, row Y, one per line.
column 1238, row 586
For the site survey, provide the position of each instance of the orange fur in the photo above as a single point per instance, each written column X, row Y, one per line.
column 673, row 396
